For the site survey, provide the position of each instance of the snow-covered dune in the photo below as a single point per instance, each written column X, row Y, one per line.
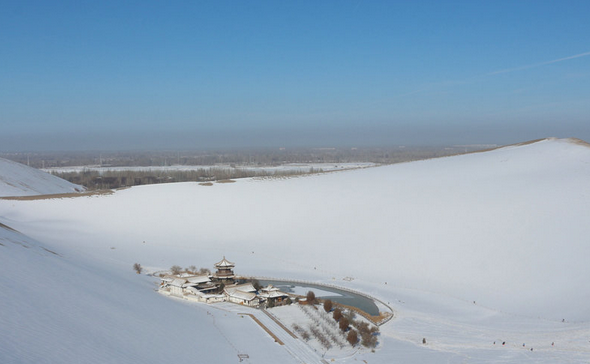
column 19, row 180
column 58, row 309
column 467, row 249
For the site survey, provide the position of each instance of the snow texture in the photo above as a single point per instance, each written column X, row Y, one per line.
column 19, row 180
column 468, row 250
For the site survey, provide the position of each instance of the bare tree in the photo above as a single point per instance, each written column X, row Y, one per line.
column 192, row 269
column 321, row 338
column 350, row 315
column 137, row 268
column 310, row 297
column 176, row 269
column 256, row 284
column 204, row 271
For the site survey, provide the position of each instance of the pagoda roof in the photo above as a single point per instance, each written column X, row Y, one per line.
column 224, row 263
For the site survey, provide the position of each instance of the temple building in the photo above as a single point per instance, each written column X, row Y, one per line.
column 243, row 294
column 272, row 295
column 219, row 287
column 225, row 271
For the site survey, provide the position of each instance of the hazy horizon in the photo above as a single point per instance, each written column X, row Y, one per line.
column 227, row 140
column 193, row 75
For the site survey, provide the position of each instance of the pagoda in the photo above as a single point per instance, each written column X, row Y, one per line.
column 225, row 270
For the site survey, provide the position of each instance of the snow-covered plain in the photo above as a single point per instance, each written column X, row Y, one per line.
column 469, row 250
column 289, row 167
column 19, row 180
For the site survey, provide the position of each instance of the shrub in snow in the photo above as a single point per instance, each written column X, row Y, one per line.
column 328, row 305
column 368, row 333
column 352, row 337
column 369, row 340
column 310, row 297
column 337, row 315
column 137, row 268
column 343, row 324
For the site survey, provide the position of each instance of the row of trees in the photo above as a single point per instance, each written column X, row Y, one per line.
column 325, row 331
column 176, row 269
column 109, row 179
column 367, row 333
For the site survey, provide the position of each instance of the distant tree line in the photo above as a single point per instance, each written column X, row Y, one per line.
column 109, row 179
column 176, row 269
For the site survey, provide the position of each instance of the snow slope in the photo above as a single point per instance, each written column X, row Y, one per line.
column 468, row 250
column 56, row 309
column 19, row 180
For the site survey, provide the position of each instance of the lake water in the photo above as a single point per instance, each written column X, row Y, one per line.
column 336, row 295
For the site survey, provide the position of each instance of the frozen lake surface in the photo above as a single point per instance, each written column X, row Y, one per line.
column 337, row 295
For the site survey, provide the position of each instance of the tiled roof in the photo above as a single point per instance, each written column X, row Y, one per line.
column 178, row 282
column 248, row 296
column 198, row 279
column 224, row 263
column 246, row 287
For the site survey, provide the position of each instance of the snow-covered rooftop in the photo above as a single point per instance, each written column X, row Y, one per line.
column 178, row 282
column 246, row 287
column 198, row 279
column 271, row 291
column 248, row 296
column 224, row 263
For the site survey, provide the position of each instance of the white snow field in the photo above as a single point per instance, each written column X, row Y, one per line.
column 288, row 167
column 468, row 250
column 19, row 180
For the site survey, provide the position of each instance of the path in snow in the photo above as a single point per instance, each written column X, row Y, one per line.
column 295, row 347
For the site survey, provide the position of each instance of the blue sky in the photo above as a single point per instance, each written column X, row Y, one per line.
column 190, row 74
